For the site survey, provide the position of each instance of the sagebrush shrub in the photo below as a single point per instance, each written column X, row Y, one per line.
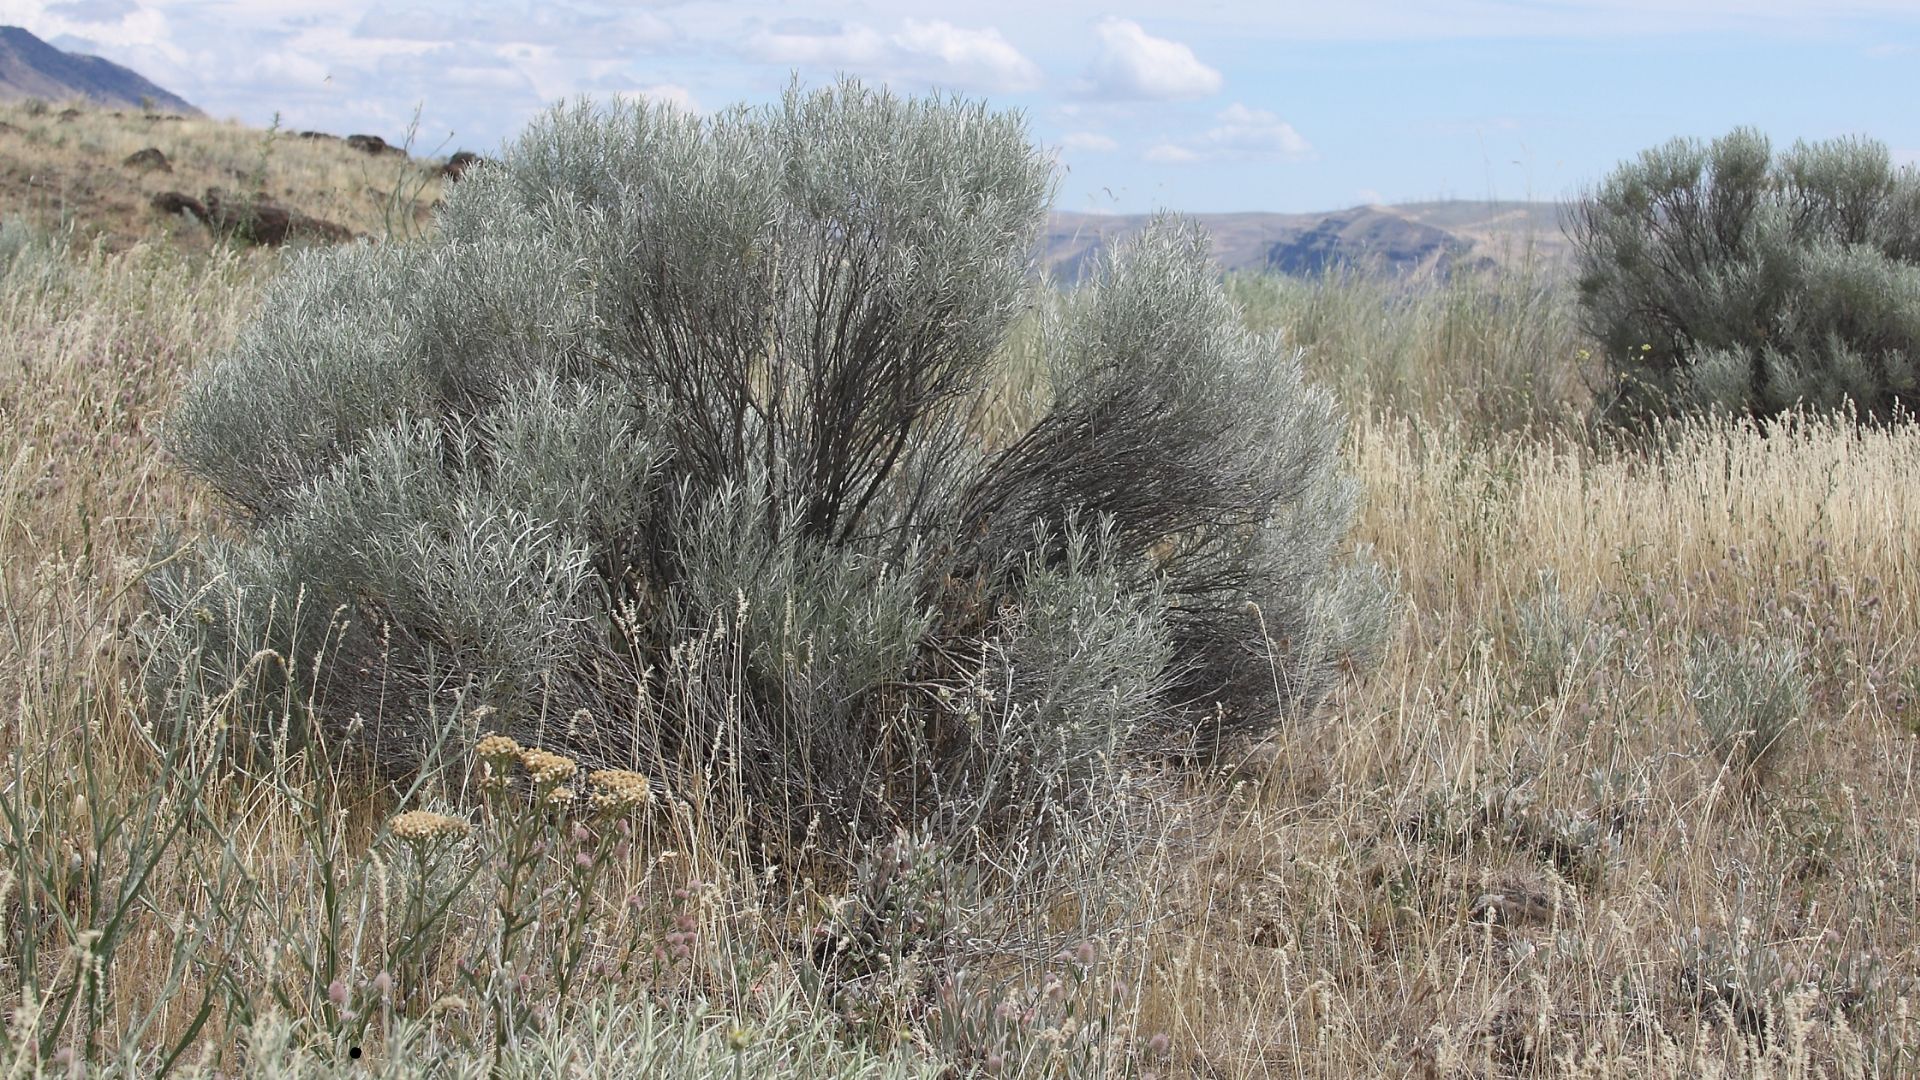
column 30, row 260
column 661, row 452
column 1750, row 696
column 1723, row 276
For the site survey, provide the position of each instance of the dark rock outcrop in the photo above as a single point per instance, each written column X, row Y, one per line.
column 148, row 160
column 252, row 219
column 173, row 202
column 458, row 164
column 372, row 144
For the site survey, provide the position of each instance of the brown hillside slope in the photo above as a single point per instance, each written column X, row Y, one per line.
column 71, row 167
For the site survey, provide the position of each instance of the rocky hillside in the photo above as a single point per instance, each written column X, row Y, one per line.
column 1408, row 240
column 31, row 68
column 118, row 177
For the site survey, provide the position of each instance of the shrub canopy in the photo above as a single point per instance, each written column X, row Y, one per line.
column 1724, row 276
column 665, row 450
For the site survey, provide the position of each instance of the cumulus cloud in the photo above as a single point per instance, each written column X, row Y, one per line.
column 980, row 58
column 1091, row 142
column 1133, row 65
column 1239, row 133
column 1255, row 133
column 935, row 52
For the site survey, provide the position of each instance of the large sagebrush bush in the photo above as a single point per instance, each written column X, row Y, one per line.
column 1724, row 276
column 663, row 451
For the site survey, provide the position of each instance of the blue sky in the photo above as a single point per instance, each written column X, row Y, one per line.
column 1209, row 105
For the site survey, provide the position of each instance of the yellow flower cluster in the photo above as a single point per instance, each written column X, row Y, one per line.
column 497, row 753
column 546, row 767
column 425, row 827
column 496, row 748
column 618, row 791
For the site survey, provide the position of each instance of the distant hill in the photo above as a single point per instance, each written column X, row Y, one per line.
column 1407, row 240
column 103, row 168
column 31, row 68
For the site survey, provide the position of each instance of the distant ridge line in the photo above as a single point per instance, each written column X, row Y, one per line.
column 31, row 68
column 1406, row 239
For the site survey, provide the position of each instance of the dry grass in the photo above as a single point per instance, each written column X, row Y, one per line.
column 1486, row 352
column 1509, row 851
column 69, row 171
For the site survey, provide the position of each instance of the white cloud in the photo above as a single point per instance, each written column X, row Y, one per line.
column 1089, row 142
column 841, row 46
column 979, row 58
column 1134, row 65
column 281, row 66
column 1171, row 154
column 1239, row 133
column 580, row 29
column 1255, row 133
column 556, row 72
column 94, row 11
column 935, row 52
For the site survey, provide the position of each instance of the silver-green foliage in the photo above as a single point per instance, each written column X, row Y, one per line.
column 1750, row 696
column 1723, row 276
column 611, row 1039
column 30, row 260
column 661, row 450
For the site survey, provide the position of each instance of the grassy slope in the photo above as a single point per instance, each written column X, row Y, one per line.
column 57, row 171
column 1528, row 749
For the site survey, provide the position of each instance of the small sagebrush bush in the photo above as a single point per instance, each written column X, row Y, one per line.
column 30, row 261
column 1723, row 276
column 660, row 452
column 1750, row 695
column 1557, row 641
